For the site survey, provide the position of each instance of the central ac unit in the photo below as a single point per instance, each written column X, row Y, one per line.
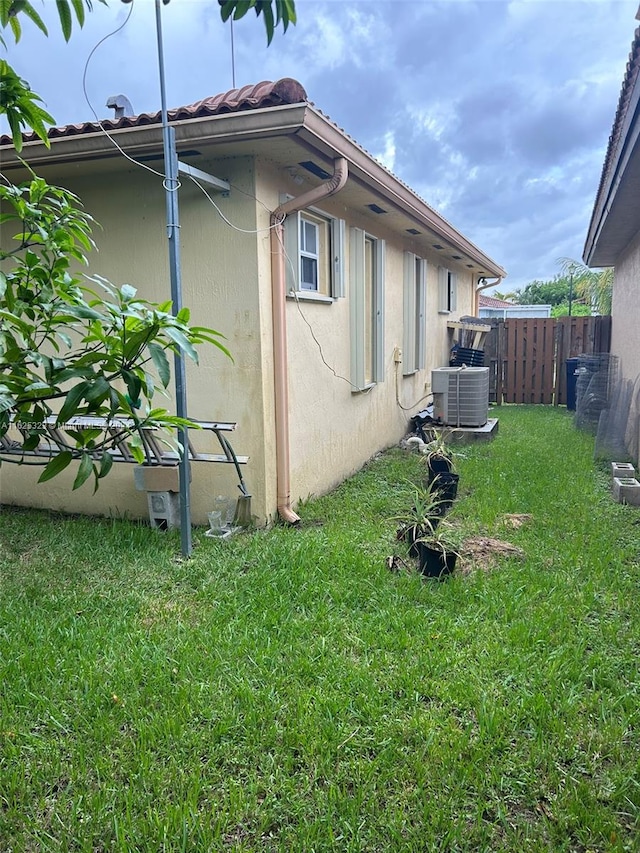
column 460, row 396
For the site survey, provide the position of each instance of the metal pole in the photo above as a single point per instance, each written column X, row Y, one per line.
column 570, row 290
column 173, row 233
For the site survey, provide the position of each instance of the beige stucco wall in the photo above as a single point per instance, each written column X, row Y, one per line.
column 624, row 310
column 624, row 324
column 220, row 285
column 226, row 276
column 334, row 431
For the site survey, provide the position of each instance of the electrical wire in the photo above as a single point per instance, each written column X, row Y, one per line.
column 313, row 334
column 95, row 115
column 224, row 218
column 399, row 404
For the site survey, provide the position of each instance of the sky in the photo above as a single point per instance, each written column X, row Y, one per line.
column 496, row 112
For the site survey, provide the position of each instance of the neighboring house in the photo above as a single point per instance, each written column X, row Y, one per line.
column 613, row 238
column 332, row 281
column 489, row 306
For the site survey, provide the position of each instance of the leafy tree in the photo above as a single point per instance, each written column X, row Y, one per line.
column 578, row 309
column 553, row 292
column 594, row 287
column 68, row 351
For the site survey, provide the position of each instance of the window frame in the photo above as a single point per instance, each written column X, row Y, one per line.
column 447, row 291
column 330, row 264
column 367, row 367
column 414, row 314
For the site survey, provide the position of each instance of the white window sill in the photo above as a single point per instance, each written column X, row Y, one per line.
column 364, row 390
column 310, row 296
column 443, row 311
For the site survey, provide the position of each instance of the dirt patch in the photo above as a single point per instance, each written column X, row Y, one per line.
column 516, row 519
column 483, row 552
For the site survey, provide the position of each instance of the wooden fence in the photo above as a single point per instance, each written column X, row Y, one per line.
column 527, row 357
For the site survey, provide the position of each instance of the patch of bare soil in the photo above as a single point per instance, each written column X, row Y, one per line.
column 483, row 552
column 516, row 519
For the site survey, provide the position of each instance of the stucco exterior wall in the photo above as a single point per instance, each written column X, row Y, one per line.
column 333, row 429
column 220, row 285
column 226, row 280
column 624, row 328
column 624, row 310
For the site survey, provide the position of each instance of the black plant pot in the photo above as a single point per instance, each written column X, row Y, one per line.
column 445, row 490
column 437, row 465
column 409, row 535
column 434, row 562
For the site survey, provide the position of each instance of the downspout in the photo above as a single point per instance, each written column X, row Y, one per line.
column 476, row 297
column 278, row 299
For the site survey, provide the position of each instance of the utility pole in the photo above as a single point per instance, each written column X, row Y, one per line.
column 171, row 184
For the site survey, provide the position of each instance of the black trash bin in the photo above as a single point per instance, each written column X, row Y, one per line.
column 572, row 379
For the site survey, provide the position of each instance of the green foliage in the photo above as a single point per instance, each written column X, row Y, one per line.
column 21, row 107
column 578, row 309
column 552, row 292
column 593, row 287
column 273, row 12
column 68, row 351
column 284, row 691
column 590, row 290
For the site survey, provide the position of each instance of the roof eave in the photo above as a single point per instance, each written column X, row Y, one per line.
column 620, row 156
column 310, row 127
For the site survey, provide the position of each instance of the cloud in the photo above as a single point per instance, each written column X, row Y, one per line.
column 497, row 113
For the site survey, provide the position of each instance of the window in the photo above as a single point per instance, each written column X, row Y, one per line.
column 314, row 244
column 309, row 257
column 415, row 297
column 447, row 290
column 366, row 291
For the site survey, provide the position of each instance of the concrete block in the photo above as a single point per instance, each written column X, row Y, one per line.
column 626, row 490
column 622, row 469
column 164, row 510
column 157, row 478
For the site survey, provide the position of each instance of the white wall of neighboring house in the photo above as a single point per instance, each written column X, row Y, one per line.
column 516, row 311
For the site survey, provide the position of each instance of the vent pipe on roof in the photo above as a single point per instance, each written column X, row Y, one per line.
column 121, row 104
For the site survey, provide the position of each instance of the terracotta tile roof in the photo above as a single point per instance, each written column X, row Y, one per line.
column 616, row 137
column 254, row 97
column 251, row 97
column 491, row 302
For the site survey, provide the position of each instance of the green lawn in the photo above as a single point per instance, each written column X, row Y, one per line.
column 286, row 691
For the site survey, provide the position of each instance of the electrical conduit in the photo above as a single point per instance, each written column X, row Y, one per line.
column 278, row 299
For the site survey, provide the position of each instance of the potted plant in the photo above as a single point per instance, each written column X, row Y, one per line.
column 438, row 455
column 422, row 519
column 437, row 551
column 441, row 473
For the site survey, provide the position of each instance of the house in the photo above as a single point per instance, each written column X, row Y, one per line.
column 613, row 238
column 332, row 281
column 489, row 306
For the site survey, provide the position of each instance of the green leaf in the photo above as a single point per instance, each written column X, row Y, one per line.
column 106, row 463
column 161, row 363
column 78, row 7
column 128, row 293
column 84, row 471
column 72, row 402
column 182, row 341
column 31, row 13
column 66, row 21
column 55, row 466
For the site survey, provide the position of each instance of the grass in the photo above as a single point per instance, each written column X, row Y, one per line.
column 284, row 691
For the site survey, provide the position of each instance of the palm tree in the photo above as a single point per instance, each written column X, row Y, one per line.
column 594, row 287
